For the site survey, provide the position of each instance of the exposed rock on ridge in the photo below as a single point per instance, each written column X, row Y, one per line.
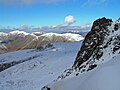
column 100, row 44
column 93, row 42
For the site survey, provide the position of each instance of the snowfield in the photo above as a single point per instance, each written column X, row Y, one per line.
column 104, row 77
column 39, row 71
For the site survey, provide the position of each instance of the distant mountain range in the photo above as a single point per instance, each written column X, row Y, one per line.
column 19, row 40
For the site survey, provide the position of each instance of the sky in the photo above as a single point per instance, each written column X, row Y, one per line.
column 55, row 12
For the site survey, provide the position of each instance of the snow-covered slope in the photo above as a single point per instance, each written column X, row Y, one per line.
column 100, row 52
column 19, row 40
column 43, row 65
column 104, row 77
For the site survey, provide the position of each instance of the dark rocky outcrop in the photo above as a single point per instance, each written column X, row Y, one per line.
column 102, row 40
column 93, row 42
column 7, row 65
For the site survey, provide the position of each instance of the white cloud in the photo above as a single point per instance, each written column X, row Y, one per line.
column 24, row 27
column 69, row 20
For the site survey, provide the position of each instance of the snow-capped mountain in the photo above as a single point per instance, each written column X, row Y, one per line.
column 19, row 40
column 97, row 65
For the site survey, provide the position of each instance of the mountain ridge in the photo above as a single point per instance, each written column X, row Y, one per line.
column 100, row 45
column 20, row 40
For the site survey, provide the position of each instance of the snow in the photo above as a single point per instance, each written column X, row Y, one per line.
column 18, row 32
column 67, row 36
column 35, row 35
column 2, row 33
column 19, row 40
column 34, row 74
column 104, row 77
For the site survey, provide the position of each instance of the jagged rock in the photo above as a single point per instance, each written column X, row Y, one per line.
column 45, row 88
column 93, row 41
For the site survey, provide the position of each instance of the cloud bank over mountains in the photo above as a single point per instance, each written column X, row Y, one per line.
column 56, row 29
column 67, row 25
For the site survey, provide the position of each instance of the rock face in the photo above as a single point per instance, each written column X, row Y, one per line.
column 93, row 43
column 102, row 43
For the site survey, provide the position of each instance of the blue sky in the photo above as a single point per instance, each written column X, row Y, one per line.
column 53, row 12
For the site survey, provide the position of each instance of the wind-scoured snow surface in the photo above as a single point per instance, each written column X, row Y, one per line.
column 19, row 40
column 43, row 66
